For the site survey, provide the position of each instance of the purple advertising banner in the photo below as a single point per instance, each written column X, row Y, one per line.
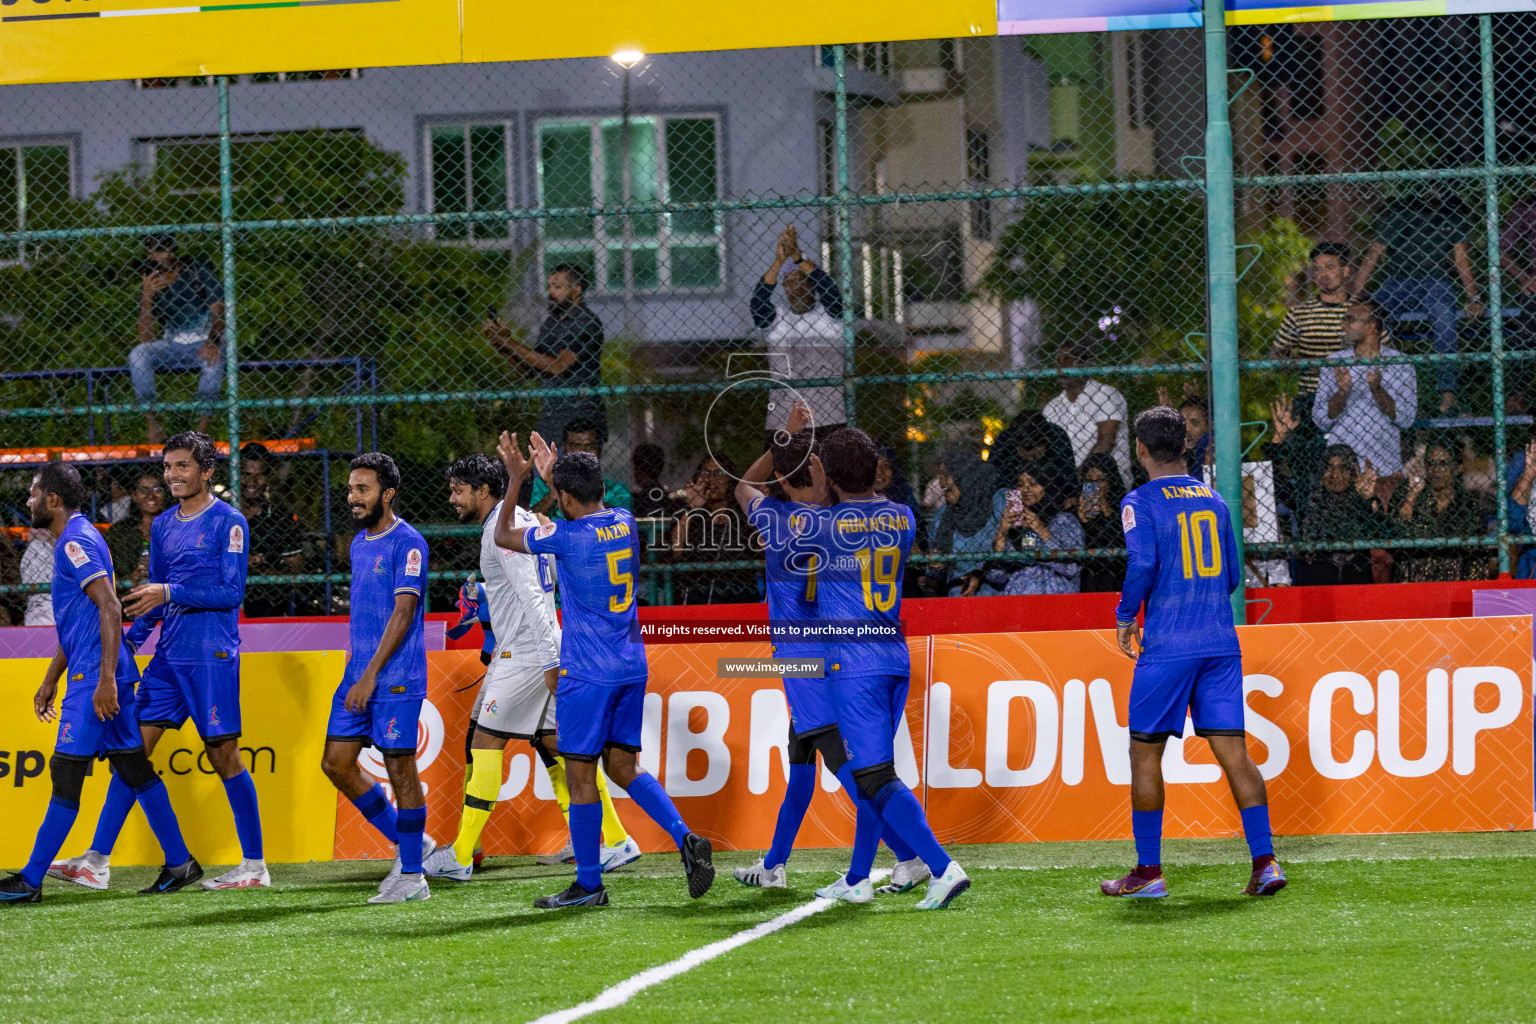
column 255, row 638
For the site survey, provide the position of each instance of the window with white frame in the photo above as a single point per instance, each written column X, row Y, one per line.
column 672, row 159
column 33, row 177
column 469, row 170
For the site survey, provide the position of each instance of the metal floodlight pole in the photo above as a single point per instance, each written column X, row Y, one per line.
column 844, row 232
column 1221, row 283
column 227, row 246
column 1495, row 289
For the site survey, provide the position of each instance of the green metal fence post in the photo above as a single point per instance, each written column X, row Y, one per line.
column 844, row 229
column 227, row 246
column 1221, row 281
column 1495, row 291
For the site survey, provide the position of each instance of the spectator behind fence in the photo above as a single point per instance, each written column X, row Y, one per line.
column 128, row 538
column 892, row 484
column 566, row 353
column 580, row 436
column 1197, row 428
column 1517, row 247
column 277, row 542
column 1029, row 520
column 37, row 567
column 651, row 501
column 1423, row 236
column 1368, row 407
column 1520, row 474
column 965, row 523
column 1343, row 507
column 1032, row 442
column 180, row 327
column 1433, row 503
column 1295, row 450
column 713, row 529
column 1093, row 414
column 805, row 338
column 1098, row 509
column 119, row 495
column 1311, row 328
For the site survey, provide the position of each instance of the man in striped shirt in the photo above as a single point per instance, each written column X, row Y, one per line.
column 1311, row 329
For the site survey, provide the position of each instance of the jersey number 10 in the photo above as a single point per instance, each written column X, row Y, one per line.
column 1199, row 540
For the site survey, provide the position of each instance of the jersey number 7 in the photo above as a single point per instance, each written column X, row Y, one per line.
column 1199, row 540
column 620, row 579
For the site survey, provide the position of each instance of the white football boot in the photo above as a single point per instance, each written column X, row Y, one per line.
column 248, row 874
column 403, row 889
column 859, row 892
column 761, row 876
column 942, row 890
column 90, row 869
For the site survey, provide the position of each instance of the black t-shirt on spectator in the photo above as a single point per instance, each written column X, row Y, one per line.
column 581, row 332
column 275, row 535
column 183, row 304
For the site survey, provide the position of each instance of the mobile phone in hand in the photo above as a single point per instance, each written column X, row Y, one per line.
column 1014, row 503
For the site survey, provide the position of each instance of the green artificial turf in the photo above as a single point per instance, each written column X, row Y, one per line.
column 1421, row 928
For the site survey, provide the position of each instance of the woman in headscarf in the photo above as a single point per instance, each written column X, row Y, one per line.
column 1342, row 507
column 891, row 483
column 965, row 523
column 1098, row 509
column 1433, row 503
column 1032, row 520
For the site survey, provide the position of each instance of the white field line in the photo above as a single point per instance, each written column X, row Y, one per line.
column 618, row 995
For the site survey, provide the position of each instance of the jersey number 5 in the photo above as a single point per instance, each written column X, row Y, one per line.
column 620, row 579
column 878, row 565
column 1200, row 543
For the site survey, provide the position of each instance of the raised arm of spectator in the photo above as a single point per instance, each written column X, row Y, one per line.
column 1400, row 382
column 502, row 341
column 827, row 292
column 1325, row 410
column 1373, row 256
column 1463, row 261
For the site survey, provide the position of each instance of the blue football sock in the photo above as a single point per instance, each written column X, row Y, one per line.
column 156, row 802
column 410, row 823
column 866, row 829
column 1147, row 827
column 1256, row 829
column 653, row 800
column 900, row 810
column 587, row 843
column 896, row 843
column 375, row 806
column 797, row 797
column 114, row 812
column 57, row 822
column 241, row 791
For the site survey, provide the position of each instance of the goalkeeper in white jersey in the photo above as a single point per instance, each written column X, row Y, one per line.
column 516, row 700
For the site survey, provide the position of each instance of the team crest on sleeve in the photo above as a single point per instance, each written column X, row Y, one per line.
column 413, row 562
column 1128, row 516
column 546, row 530
column 76, row 553
column 236, row 539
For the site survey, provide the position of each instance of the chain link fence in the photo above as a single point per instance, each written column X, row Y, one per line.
column 990, row 254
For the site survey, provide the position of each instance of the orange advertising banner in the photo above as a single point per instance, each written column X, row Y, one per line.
column 1357, row 727
column 717, row 745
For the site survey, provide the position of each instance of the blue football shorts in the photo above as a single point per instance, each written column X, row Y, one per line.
column 591, row 717
column 206, row 692
column 1209, row 690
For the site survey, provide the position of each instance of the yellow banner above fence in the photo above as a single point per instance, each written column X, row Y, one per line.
column 87, row 40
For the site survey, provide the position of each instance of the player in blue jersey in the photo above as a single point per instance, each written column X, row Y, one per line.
column 95, row 717
column 378, row 703
column 1183, row 567
column 789, row 527
column 600, row 697
column 197, row 564
column 867, row 539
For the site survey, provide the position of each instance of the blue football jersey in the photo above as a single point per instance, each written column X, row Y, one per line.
column 597, row 556
column 384, row 565
column 791, row 532
column 201, row 559
column 1182, row 565
column 866, row 541
column 80, row 556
